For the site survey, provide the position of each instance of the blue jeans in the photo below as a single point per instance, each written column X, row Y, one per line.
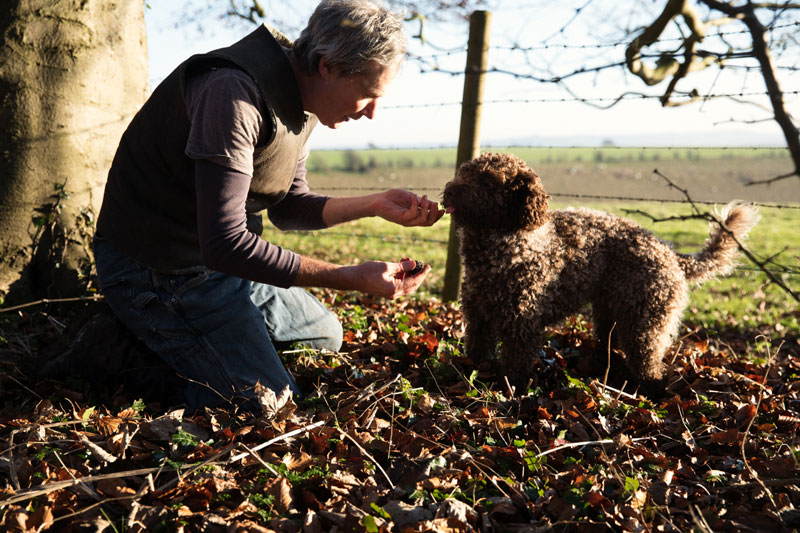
column 215, row 330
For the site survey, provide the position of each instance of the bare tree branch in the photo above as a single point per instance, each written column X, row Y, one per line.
column 698, row 213
column 771, row 180
column 668, row 66
column 760, row 50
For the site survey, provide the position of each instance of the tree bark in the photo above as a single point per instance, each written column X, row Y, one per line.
column 72, row 74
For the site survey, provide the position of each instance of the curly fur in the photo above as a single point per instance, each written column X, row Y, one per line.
column 527, row 267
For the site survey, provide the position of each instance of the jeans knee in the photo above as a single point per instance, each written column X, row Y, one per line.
column 329, row 335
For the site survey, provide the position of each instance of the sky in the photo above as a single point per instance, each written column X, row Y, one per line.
column 528, row 38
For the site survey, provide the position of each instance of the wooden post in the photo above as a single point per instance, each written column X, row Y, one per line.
column 469, row 135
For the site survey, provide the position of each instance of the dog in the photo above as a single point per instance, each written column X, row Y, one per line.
column 527, row 267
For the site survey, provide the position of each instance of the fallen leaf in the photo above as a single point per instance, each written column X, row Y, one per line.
column 275, row 407
column 729, row 436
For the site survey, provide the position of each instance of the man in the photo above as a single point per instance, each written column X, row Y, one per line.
column 178, row 253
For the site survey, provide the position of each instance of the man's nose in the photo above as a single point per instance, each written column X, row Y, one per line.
column 369, row 109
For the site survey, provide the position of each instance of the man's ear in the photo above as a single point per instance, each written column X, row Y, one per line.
column 325, row 71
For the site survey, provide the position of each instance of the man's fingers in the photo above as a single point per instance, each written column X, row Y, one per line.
column 424, row 212
column 412, row 283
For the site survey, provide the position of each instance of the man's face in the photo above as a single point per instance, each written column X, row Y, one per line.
column 346, row 98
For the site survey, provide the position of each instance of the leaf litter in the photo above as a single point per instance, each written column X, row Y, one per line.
column 399, row 432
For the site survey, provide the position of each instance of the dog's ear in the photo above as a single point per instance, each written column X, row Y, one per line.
column 531, row 200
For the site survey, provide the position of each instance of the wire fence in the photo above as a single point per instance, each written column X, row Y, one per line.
column 573, row 99
column 588, row 46
column 734, row 59
column 423, row 241
column 415, row 240
column 581, row 196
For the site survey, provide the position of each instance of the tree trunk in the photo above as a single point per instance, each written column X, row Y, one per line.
column 72, row 74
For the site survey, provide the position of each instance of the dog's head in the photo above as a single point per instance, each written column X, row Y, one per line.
column 496, row 192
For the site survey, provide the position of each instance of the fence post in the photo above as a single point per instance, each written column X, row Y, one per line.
column 469, row 134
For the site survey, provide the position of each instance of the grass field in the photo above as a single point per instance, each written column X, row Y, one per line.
column 443, row 157
column 711, row 179
column 747, row 298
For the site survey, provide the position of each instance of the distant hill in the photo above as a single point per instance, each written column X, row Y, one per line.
column 694, row 138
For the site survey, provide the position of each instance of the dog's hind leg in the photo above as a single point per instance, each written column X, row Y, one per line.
column 606, row 362
column 646, row 343
column 604, row 327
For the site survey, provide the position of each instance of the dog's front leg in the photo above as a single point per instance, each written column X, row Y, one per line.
column 479, row 336
column 520, row 345
column 479, row 343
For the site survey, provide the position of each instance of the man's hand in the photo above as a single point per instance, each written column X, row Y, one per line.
column 390, row 280
column 395, row 205
column 379, row 278
column 407, row 209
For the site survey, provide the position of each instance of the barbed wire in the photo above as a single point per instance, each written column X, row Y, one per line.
column 756, row 67
column 428, row 67
column 384, row 238
column 414, row 239
column 584, row 46
column 580, row 196
column 567, row 147
column 625, row 96
column 572, row 19
column 664, row 200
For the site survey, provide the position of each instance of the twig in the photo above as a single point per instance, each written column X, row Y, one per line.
column 760, row 483
column 147, row 485
column 708, row 216
column 23, row 385
column 58, row 485
column 585, row 443
column 86, row 488
column 196, row 467
column 97, row 450
column 209, row 387
column 93, row 298
column 365, row 452
column 509, row 388
column 750, row 425
column 276, row 439
column 620, row 392
column 772, row 180
column 255, row 456
column 12, row 468
column 608, row 361
column 92, row 506
column 693, row 445
column 699, row 519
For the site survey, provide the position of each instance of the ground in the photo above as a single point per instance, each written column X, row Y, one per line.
column 400, row 433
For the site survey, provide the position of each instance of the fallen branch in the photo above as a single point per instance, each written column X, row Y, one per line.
column 584, row 443
column 376, row 463
column 276, row 439
column 58, row 485
column 747, row 433
column 92, row 298
column 762, row 265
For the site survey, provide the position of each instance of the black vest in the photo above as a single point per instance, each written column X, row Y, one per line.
column 149, row 209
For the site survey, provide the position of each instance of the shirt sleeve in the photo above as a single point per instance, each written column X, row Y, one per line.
column 223, row 106
column 225, row 244
column 226, row 122
column 300, row 209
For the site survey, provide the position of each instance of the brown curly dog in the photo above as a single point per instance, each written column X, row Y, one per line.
column 526, row 268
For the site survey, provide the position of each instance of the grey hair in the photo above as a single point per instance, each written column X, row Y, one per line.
column 349, row 34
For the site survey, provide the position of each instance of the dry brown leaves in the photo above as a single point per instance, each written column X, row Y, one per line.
column 401, row 433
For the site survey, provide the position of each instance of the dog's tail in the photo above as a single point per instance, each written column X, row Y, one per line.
column 717, row 256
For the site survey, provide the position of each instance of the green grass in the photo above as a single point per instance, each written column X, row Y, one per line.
column 745, row 299
column 325, row 160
